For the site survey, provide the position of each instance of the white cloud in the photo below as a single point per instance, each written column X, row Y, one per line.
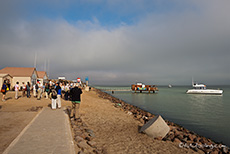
column 161, row 48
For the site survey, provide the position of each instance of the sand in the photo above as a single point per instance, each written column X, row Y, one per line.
column 115, row 131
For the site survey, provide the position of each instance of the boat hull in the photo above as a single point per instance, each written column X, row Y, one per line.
column 205, row 91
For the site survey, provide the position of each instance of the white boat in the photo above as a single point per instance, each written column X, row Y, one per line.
column 201, row 89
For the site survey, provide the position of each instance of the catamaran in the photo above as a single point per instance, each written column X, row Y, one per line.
column 201, row 89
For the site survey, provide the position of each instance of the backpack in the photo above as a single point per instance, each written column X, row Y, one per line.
column 36, row 86
column 54, row 94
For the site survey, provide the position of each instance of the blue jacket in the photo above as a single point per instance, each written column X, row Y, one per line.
column 58, row 89
column 4, row 86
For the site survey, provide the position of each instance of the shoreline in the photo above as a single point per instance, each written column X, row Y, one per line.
column 177, row 134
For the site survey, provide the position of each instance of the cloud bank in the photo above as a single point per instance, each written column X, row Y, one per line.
column 166, row 45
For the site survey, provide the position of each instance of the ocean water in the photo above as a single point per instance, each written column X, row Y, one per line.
column 207, row 115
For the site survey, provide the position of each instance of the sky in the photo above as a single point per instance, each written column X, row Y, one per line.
column 119, row 42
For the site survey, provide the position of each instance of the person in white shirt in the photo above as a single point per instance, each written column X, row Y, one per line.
column 40, row 87
column 34, row 90
column 16, row 88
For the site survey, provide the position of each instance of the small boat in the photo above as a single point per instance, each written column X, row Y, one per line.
column 201, row 89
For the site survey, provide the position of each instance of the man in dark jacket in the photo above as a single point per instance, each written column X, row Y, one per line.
column 75, row 95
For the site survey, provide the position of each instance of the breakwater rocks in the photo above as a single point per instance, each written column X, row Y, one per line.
column 83, row 137
column 177, row 134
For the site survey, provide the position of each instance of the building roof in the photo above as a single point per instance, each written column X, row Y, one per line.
column 3, row 75
column 18, row 71
column 41, row 74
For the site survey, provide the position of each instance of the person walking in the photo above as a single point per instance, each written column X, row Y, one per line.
column 75, row 95
column 66, row 92
column 35, row 90
column 23, row 89
column 3, row 90
column 50, row 90
column 40, row 87
column 58, row 90
column 16, row 89
column 54, row 99
column 46, row 90
column 28, row 89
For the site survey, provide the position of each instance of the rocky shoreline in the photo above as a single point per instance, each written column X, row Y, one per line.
column 83, row 137
column 177, row 134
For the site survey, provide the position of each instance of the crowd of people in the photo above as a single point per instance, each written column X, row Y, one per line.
column 50, row 90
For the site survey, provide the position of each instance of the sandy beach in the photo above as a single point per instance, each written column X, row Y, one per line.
column 114, row 130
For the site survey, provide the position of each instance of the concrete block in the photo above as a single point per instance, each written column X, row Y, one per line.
column 156, row 127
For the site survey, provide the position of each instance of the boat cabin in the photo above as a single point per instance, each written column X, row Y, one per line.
column 199, row 86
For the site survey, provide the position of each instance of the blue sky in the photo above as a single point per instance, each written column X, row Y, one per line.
column 121, row 41
column 108, row 13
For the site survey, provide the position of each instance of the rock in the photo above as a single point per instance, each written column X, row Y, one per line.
column 172, row 128
column 83, row 145
column 176, row 132
column 207, row 150
column 180, row 137
column 90, row 132
column 72, row 123
column 202, row 140
column 185, row 138
column 142, row 121
column 84, row 124
column 170, row 136
column 176, row 140
column 84, row 135
column 80, row 152
column 129, row 113
column 214, row 152
column 138, row 116
column 191, row 137
column 92, row 144
column 78, row 139
column 195, row 139
column 148, row 114
column 96, row 151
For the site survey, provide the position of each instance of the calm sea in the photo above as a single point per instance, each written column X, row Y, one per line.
column 207, row 115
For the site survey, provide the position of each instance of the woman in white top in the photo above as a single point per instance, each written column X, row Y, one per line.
column 16, row 89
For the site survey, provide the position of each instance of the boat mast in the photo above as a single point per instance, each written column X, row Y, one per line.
column 192, row 81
